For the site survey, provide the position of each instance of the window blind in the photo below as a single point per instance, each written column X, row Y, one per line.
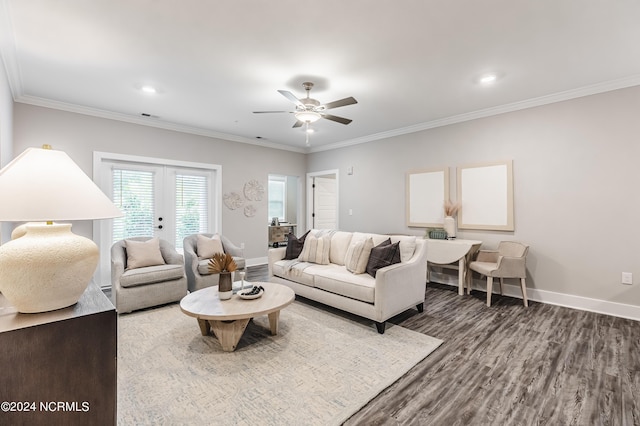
column 192, row 206
column 277, row 198
column 133, row 193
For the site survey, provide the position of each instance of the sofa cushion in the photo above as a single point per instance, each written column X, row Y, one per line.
column 143, row 253
column 382, row 256
column 340, row 242
column 207, row 247
column 151, row 274
column 203, row 265
column 294, row 246
column 316, row 249
column 358, row 256
column 340, row 281
column 304, row 276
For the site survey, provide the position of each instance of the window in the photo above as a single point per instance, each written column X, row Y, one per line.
column 277, row 197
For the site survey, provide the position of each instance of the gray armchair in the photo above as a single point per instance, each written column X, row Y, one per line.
column 508, row 261
column 148, row 286
column 198, row 275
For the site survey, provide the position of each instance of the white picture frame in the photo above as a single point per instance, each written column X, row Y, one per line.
column 485, row 192
column 426, row 191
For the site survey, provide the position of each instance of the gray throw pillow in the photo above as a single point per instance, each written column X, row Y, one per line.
column 294, row 246
column 382, row 255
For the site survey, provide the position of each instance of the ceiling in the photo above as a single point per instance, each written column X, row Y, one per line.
column 411, row 64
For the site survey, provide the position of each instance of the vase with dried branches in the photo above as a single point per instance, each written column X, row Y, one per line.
column 223, row 264
column 450, row 210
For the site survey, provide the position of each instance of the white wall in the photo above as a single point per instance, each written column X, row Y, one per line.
column 576, row 181
column 6, row 134
column 575, row 177
column 80, row 135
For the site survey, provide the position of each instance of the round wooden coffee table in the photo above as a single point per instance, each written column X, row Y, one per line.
column 229, row 318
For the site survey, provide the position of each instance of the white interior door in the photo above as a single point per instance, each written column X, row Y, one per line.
column 325, row 203
column 322, row 203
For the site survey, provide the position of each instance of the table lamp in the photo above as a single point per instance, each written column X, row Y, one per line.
column 45, row 266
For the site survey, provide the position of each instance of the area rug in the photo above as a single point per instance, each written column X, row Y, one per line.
column 321, row 368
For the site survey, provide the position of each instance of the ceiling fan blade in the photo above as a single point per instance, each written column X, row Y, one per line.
column 270, row 112
column 298, row 124
column 291, row 97
column 337, row 119
column 342, row 102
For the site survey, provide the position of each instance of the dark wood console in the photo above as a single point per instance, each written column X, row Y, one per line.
column 59, row 367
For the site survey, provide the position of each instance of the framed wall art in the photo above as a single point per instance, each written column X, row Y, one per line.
column 485, row 192
column 426, row 191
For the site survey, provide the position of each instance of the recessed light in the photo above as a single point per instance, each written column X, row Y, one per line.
column 488, row 79
column 149, row 89
column 310, row 130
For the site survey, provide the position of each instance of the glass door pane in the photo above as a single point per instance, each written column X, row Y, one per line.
column 191, row 205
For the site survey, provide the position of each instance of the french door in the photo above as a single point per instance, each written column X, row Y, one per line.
column 168, row 201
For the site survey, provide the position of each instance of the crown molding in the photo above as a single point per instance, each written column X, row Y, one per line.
column 593, row 89
column 15, row 83
column 150, row 122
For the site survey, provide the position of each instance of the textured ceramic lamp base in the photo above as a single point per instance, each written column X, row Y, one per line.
column 47, row 268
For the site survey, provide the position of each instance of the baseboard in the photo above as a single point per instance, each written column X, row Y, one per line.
column 552, row 298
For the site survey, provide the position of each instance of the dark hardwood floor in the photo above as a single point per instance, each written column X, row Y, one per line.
column 511, row 365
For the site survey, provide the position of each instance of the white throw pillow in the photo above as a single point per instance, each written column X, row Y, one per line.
column 316, row 249
column 407, row 246
column 340, row 241
column 143, row 253
column 358, row 256
column 207, row 247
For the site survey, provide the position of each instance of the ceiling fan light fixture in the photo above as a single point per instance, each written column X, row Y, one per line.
column 307, row 116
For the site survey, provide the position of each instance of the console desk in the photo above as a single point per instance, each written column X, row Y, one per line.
column 449, row 252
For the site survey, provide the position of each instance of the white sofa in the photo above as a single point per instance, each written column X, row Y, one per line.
column 395, row 288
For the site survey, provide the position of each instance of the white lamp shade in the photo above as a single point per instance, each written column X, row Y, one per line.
column 48, row 267
column 46, row 185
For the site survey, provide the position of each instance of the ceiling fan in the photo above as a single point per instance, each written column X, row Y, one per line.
column 309, row 110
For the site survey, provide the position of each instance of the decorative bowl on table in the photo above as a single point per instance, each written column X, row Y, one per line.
column 251, row 293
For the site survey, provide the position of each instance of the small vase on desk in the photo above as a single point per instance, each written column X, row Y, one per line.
column 450, row 226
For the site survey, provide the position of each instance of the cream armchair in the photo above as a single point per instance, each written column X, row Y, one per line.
column 144, row 287
column 198, row 275
column 508, row 261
